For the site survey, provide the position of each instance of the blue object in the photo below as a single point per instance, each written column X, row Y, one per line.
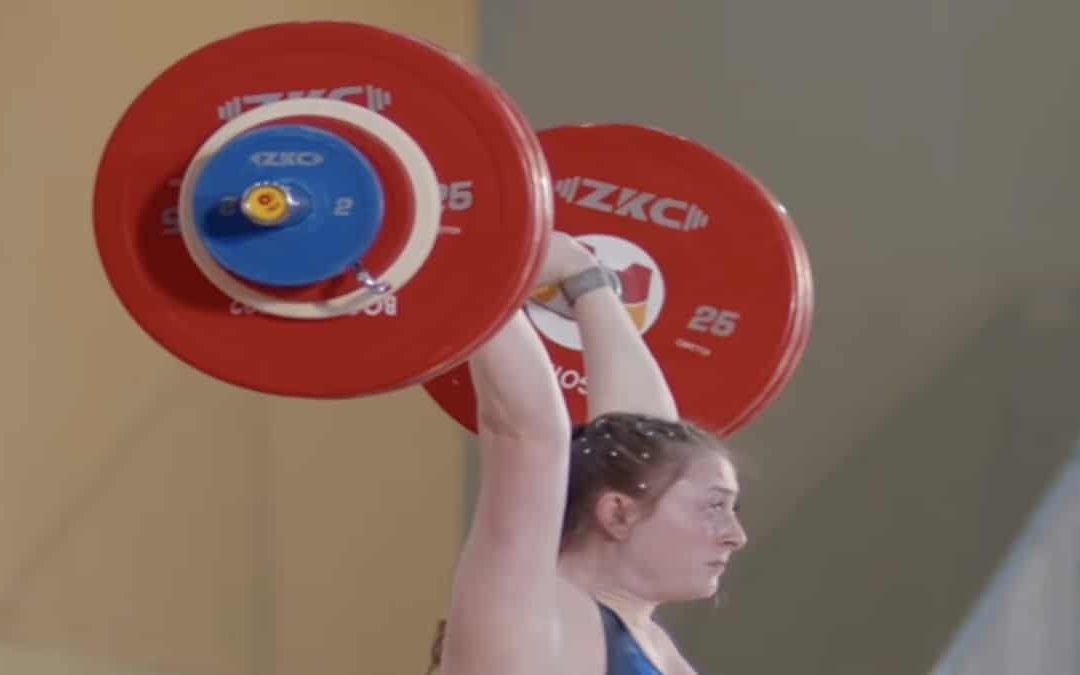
column 624, row 654
column 335, row 210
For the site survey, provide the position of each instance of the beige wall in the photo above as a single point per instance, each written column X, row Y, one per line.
column 149, row 515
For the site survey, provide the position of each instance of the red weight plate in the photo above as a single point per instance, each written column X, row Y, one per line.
column 801, row 331
column 488, row 161
column 798, row 347
column 711, row 272
column 799, row 339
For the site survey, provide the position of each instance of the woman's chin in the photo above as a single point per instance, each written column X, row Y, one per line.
column 702, row 591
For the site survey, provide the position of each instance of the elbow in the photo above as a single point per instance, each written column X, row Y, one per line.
column 542, row 426
column 540, row 417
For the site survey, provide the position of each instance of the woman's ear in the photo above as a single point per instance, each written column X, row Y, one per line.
column 616, row 514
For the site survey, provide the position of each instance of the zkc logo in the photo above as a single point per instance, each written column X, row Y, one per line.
column 590, row 193
column 286, row 158
column 373, row 98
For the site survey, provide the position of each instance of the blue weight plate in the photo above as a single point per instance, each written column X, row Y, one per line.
column 336, row 197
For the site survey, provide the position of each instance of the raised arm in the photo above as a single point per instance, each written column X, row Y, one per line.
column 503, row 614
column 623, row 375
column 517, row 396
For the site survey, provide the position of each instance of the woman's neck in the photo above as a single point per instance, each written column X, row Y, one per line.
column 598, row 574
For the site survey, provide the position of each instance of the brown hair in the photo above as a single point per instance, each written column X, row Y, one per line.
column 637, row 455
column 436, row 647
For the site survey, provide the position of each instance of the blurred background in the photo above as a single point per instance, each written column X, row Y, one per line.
column 914, row 505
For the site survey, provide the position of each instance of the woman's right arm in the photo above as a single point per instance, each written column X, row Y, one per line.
column 502, row 613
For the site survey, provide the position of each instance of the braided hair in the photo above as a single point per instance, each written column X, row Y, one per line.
column 637, row 455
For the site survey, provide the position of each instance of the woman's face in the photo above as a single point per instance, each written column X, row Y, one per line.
column 681, row 548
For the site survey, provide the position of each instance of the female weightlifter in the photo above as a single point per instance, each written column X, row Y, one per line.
column 572, row 548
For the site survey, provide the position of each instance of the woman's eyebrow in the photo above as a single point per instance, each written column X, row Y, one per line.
column 725, row 490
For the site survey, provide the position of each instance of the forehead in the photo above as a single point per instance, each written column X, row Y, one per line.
column 709, row 470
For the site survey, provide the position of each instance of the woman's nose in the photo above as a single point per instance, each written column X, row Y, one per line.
column 735, row 536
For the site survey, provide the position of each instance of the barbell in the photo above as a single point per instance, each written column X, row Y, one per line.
column 331, row 209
